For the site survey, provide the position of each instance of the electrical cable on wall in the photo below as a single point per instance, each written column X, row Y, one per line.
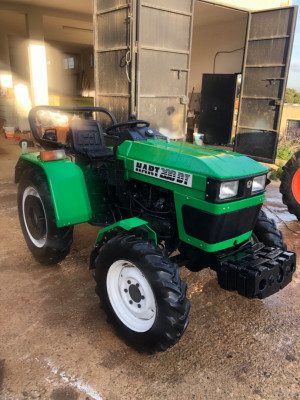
column 224, row 52
column 124, row 62
column 126, row 59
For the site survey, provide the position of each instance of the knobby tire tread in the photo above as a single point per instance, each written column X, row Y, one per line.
column 286, row 179
column 59, row 240
column 267, row 232
column 162, row 274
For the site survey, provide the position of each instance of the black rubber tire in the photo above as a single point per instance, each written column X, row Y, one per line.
column 266, row 231
column 58, row 241
column 172, row 306
column 29, row 143
column 289, row 170
column 21, row 141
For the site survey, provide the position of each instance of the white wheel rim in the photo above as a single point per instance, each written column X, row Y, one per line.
column 131, row 296
column 31, row 191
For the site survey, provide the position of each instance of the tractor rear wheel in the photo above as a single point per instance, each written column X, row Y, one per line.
column 48, row 244
column 290, row 185
column 266, row 231
column 141, row 292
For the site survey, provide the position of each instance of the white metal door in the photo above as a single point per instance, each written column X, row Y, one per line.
column 163, row 48
column 113, row 25
column 266, row 65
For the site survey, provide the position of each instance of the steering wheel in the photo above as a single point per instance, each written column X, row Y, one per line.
column 132, row 124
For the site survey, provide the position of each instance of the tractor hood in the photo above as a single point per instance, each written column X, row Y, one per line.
column 201, row 161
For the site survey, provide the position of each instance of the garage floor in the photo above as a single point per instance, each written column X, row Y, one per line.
column 55, row 342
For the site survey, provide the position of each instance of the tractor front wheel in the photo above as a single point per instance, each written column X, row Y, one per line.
column 290, row 185
column 141, row 292
column 266, row 231
column 48, row 244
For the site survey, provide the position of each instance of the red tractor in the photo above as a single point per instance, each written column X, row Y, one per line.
column 290, row 185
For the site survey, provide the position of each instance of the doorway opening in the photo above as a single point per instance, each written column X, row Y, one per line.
column 218, row 44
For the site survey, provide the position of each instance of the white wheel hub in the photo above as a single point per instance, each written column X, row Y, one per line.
column 31, row 191
column 131, row 296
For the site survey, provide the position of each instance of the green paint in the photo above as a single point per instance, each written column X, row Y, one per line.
column 128, row 225
column 67, row 187
column 71, row 201
column 211, row 248
column 181, row 200
column 200, row 161
column 213, row 208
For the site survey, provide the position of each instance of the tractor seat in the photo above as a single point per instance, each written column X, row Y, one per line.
column 88, row 140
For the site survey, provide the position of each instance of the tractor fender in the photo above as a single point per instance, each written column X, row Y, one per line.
column 67, row 188
column 131, row 224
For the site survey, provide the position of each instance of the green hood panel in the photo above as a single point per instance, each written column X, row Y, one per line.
column 196, row 160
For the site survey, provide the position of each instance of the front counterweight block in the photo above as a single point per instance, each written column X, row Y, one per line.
column 256, row 271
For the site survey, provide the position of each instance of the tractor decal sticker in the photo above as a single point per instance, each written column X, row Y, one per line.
column 171, row 175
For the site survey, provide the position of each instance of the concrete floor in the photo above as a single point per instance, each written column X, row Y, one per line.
column 55, row 342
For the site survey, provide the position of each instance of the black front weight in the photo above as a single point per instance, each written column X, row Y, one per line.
column 256, row 271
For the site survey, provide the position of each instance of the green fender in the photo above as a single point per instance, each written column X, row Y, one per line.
column 112, row 230
column 67, row 188
column 127, row 225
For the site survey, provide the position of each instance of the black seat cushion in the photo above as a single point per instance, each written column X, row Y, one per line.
column 88, row 140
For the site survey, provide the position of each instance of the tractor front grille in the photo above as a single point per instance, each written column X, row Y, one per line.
column 212, row 228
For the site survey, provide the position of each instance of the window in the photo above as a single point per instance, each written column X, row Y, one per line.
column 69, row 62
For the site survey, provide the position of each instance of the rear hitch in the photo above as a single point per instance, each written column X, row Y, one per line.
column 256, row 271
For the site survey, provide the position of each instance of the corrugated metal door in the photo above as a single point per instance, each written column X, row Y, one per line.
column 113, row 30
column 266, row 65
column 163, row 61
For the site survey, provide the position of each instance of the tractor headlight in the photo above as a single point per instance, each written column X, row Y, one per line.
column 259, row 184
column 223, row 191
column 228, row 189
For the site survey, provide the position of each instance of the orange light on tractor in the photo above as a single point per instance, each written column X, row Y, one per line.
column 53, row 155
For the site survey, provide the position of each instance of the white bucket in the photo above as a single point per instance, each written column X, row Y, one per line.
column 198, row 138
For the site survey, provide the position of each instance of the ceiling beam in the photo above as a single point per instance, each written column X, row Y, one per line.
column 22, row 8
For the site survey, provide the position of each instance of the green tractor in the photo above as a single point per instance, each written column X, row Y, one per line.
column 161, row 205
column 290, row 185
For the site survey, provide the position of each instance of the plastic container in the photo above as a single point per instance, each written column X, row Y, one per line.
column 198, row 138
column 9, row 132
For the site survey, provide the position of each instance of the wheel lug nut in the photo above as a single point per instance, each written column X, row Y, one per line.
column 129, row 282
column 139, row 306
column 137, row 285
column 143, row 297
column 125, row 290
column 130, row 301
